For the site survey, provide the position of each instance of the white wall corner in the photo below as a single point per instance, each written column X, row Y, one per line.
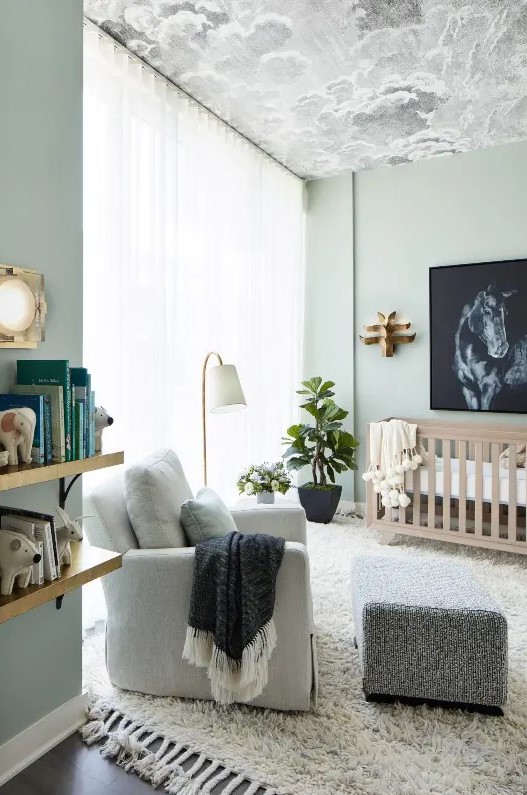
column 39, row 738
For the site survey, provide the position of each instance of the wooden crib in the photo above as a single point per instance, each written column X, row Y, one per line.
column 461, row 494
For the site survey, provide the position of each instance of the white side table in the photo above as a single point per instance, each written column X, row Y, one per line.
column 280, row 501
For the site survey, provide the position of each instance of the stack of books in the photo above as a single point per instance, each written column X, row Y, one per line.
column 62, row 399
column 39, row 528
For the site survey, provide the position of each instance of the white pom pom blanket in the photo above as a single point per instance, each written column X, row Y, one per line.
column 393, row 451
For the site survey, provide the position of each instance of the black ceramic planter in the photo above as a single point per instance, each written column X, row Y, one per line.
column 319, row 505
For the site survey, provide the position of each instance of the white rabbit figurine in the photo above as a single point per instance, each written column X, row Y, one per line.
column 71, row 530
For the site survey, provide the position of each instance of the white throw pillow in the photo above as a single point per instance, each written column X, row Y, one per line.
column 154, row 490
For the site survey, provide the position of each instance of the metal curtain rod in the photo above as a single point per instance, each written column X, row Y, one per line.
column 174, row 87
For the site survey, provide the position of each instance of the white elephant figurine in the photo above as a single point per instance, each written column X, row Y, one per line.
column 17, row 429
column 71, row 530
column 17, row 556
column 102, row 420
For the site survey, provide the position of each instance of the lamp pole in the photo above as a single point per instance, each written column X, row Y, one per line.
column 203, row 409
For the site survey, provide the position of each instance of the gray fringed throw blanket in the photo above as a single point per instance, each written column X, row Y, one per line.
column 230, row 627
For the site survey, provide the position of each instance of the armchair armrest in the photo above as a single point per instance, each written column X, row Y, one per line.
column 160, row 580
column 286, row 521
column 148, row 578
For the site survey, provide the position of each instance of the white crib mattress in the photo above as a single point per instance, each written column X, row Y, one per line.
column 471, row 482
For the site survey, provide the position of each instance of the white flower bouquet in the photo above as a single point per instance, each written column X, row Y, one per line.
column 262, row 478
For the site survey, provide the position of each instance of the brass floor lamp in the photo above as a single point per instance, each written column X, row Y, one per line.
column 225, row 394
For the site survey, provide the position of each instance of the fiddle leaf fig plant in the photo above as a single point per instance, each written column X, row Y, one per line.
column 322, row 445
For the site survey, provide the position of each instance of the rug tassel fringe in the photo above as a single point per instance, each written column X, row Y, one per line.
column 129, row 745
column 195, row 787
column 215, row 780
column 232, row 785
column 120, row 745
column 143, row 752
column 170, row 769
column 145, row 767
column 99, row 724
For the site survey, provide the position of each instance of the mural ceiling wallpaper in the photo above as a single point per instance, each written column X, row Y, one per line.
column 330, row 85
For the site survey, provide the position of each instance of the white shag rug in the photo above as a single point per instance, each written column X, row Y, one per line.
column 347, row 745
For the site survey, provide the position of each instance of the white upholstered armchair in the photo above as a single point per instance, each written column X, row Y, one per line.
column 148, row 603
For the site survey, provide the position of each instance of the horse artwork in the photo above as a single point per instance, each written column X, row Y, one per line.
column 478, row 332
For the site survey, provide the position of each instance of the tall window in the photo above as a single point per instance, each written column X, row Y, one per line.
column 193, row 242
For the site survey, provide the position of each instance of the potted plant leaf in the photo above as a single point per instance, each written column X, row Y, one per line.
column 324, row 446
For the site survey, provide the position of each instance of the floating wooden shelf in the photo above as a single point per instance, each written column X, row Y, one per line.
column 29, row 474
column 87, row 564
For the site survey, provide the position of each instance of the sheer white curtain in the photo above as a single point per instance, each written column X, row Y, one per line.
column 193, row 242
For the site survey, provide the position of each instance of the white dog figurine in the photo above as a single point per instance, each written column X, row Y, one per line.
column 17, row 556
column 71, row 530
column 102, row 421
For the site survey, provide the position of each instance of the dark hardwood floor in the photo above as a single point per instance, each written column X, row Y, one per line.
column 72, row 768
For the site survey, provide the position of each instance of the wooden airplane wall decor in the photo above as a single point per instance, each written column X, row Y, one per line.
column 387, row 334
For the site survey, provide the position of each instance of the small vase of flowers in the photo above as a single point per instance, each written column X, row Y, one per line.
column 264, row 480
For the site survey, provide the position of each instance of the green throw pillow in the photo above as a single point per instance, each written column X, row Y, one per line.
column 205, row 517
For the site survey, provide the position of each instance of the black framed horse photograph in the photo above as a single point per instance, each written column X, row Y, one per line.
column 478, row 337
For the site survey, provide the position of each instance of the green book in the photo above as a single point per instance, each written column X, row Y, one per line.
column 58, row 439
column 81, row 385
column 57, row 373
column 91, row 422
column 74, row 451
column 79, row 429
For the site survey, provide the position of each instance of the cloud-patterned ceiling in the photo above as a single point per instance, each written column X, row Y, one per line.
column 330, row 85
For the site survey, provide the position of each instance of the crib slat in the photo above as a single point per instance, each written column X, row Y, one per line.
column 462, row 510
column 513, row 484
column 431, row 483
column 495, row 505
column 407, row 481
column 478, row 506
column 417, row 497
column 446, row 484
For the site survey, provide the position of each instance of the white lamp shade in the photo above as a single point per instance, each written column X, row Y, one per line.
column 17, row 304
column 224, row 391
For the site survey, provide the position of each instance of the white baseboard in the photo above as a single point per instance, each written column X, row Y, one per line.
column 39, row 738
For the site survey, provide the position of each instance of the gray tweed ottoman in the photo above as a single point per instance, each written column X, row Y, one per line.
column 427, row 631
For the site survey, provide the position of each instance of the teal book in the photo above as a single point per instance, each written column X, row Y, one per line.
column 81, row 384
column 50, row 371
column 88, row 408
column 92, row 424
column 79, row 428
column 74, row 451
column 56, row 401
column 48, row 426
column 35, row 402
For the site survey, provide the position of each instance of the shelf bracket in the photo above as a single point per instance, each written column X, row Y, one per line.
column 65, row 490
column 58, row 601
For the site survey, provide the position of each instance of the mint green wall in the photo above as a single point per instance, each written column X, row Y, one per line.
column 461, row 209
column 328, row 341
column 41, row 228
